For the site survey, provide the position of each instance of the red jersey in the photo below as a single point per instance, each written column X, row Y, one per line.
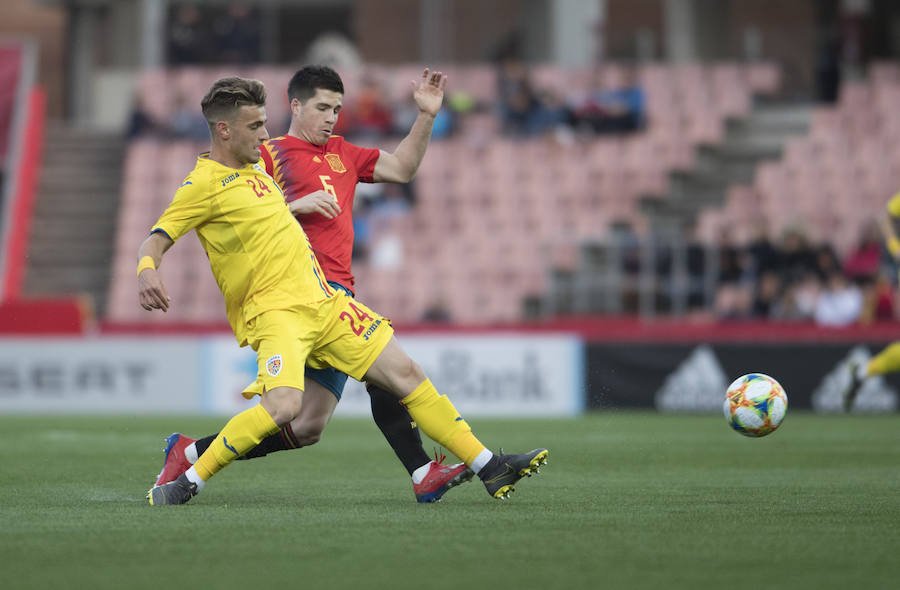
column 301, row 168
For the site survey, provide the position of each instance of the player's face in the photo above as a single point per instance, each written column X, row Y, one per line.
column 248, row 131
column 314, row 120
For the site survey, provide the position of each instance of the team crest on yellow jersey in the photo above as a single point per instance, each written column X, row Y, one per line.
column 334, row 161
column 273, row 365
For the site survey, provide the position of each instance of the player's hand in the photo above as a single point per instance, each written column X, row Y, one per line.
column 317, row 202
column 151, row 291
column 429, row 92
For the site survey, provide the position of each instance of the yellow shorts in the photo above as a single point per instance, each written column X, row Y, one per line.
column 339, row 332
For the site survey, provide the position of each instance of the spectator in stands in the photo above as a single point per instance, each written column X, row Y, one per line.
column 840, row 303
column 551, row 114
column 186, row 122
column 763, row 259
column 142, row 123
column 236, row 34
column 405, row 113
column 864, row 261
column 333, row 49
column 370, row 116
column 611, row 110
column 517, row 99
column 880, row 299
column 799, row 300
column 734, row 291
column 437, row 312
column 796, row 257
column 188, row 36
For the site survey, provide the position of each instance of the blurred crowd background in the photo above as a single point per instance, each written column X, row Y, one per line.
column 720, row 160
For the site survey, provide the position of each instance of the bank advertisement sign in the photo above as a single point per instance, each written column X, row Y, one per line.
column 483, row 374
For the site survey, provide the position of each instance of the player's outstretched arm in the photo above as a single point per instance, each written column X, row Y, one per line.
column 401, row 166
column 151, row 291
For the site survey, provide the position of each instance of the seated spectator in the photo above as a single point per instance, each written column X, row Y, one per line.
column 142, row 123
column 405, row 114
column 611, row 110
column 880, row 300
column 864, row 260
column 370, row 115
column 799, row 300
column 187, row 122
column 517, row 99
column 796, row 257
column 734, row 290
column 840, row 303
column 550, row 114
column 236, row 34
column 188, row 36
column 333, row 49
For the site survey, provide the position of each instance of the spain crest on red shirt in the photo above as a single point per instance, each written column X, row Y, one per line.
column 334, row 161
column 273, row 365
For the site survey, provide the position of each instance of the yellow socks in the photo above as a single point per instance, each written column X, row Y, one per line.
column 886, row 361
column 242, row 433
column 436, row 417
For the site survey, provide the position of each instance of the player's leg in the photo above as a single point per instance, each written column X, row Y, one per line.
column 886, row 361
column 281, row 360
column 243, row 432
column 361, row 343
column 431, row 479
column 306, row 429
column 439, row 419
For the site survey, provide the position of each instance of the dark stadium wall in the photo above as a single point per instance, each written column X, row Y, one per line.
column 786, row 30
column 692, row 376
column 470, row 31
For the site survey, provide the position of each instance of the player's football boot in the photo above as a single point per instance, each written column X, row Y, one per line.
column 175, row 492
column 503, row 471
column 854, row 384
column 439, row 479
column 174, row 461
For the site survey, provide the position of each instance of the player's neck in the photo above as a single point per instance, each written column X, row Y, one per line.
column 224, row 157
column 299, row 135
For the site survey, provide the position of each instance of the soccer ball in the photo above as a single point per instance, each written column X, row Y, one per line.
column 755, row 404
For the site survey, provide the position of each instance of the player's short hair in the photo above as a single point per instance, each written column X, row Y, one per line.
column 227, row 95
column 308, row 79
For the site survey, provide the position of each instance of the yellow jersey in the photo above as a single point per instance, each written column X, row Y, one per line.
column 893, row 206
column 259, row 254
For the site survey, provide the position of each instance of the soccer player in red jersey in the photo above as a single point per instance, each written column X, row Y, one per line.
column 318, row 173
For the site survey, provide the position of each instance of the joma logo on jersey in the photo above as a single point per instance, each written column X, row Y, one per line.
column 334, row 161
column 371, row 329
column 229, row 179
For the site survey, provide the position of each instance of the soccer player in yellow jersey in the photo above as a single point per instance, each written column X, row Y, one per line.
column 888, row 360
column 278, row 302
column 318, row 173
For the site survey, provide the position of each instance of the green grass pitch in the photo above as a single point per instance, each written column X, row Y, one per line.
column 628, row 500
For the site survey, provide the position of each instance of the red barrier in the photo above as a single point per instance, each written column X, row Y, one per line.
column 43, row 317
column 23, row 199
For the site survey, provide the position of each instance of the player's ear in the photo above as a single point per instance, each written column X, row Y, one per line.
column 223, row 129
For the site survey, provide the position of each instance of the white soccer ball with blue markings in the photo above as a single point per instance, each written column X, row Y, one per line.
column 755, row 404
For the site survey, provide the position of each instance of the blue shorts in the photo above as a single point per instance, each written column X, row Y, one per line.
column 331, row 379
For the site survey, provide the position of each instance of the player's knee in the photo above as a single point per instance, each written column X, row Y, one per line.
column 410, row 371
column 283, row 404
column 309, row 433
column 309, row 438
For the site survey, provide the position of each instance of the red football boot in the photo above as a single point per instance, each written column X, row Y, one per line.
column 174, row 461
column 439, row 479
